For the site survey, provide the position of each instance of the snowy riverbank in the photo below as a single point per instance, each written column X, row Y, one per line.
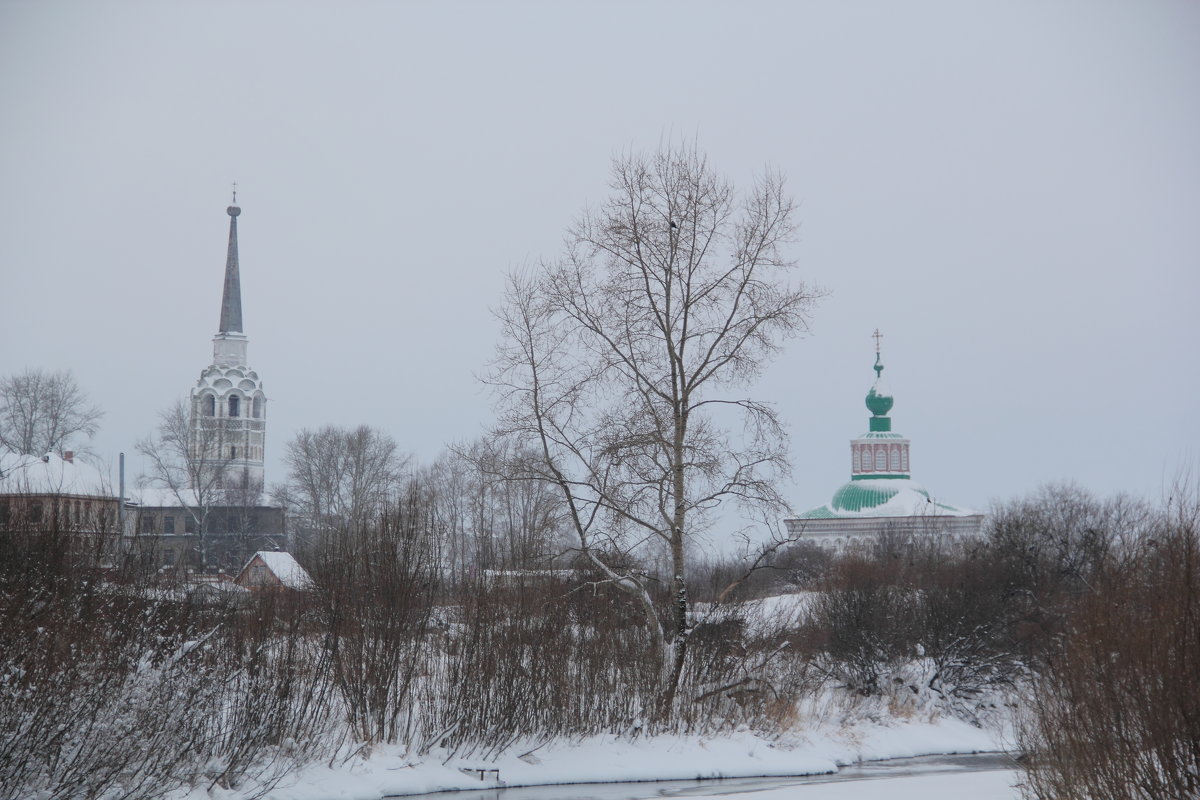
column 612, row 759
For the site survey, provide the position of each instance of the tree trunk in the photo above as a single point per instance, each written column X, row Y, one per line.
column 677, row 651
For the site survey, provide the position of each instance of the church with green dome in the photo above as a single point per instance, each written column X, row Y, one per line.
column 881, row 494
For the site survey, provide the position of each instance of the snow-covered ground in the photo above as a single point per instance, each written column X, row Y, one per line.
column 833, row 729
column 619, row 759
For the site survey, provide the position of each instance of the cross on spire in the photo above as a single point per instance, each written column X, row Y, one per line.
column 235, row 200
column 878, row 358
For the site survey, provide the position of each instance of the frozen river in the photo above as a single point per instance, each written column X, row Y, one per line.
column 980, row 777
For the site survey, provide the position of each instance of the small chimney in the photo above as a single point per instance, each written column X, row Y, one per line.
column 69, row 456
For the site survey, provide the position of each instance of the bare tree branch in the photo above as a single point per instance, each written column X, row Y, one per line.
column 43, row 412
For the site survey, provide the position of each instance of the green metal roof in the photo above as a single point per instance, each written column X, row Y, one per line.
column 858, row 499
column 821, row 512
column 857, row 496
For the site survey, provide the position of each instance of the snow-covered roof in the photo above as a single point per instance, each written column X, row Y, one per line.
column 162, row 497
column 891, row 497
column 285, row 568
column 51, row 474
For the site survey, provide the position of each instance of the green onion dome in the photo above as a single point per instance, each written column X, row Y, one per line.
column 879, row 399
column 879, row 402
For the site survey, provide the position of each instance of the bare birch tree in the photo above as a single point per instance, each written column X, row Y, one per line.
column 624, row 361
column 43, row 412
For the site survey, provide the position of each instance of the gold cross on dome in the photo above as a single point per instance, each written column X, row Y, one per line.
column 877, row 336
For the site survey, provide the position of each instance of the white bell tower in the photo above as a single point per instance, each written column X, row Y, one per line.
column 228, row 406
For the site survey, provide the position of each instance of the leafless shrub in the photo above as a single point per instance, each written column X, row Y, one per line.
column 1115, row 710
column 865, row 621
column 75, row 660
column 376, row 584
column 911, row 598
column 128, row 691
column 521, row 664
column 744, row 672
column 272, row 706
column 1049, row 547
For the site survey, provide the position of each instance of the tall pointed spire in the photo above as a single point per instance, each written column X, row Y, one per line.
column 231, row 300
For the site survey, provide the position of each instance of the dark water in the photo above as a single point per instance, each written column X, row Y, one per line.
column 891, row 768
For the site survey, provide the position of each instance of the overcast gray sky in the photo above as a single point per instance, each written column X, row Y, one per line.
column 1009, row 190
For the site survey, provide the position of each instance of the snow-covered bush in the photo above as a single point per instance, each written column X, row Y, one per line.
column 128, row 690
column 374, row 601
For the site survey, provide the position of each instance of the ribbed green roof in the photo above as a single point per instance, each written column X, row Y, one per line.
column 858, row 496
column 821, row 512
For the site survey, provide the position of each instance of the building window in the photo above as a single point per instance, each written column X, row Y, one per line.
column 855, row 461
column 232, row 451
column 189, row 524
column 168, row 557
column 904, row 459
column 210, row 406
column 168, row 524
column 258, row 407
column 233, row 406
column 895, row 458
column 147, row 523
